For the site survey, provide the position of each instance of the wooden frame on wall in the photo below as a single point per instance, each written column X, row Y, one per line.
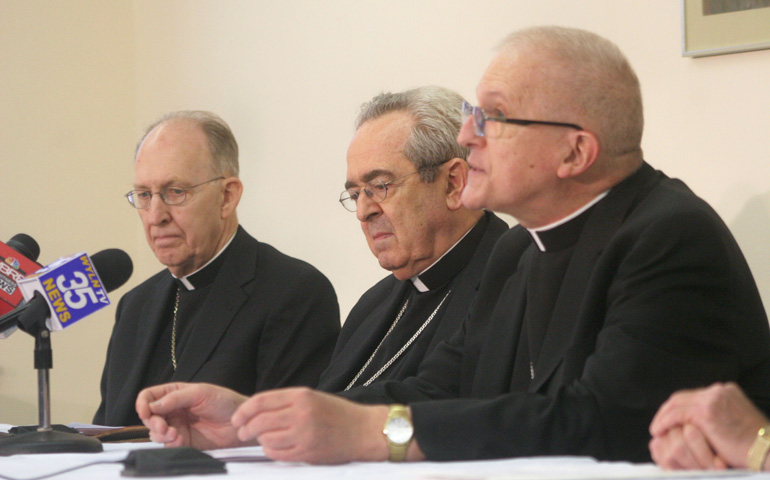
column 717, row 27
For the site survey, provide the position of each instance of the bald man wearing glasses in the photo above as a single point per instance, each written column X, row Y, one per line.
column 227, row 309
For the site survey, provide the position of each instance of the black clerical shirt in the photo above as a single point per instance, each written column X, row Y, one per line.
column 543, row 283
column 424, row 300
column 192, row 291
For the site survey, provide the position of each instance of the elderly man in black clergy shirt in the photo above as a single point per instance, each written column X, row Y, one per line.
column 405, row 176
column 228, row 309
column 618, row 287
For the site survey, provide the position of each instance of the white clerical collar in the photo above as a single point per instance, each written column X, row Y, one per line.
column 418, row 284
column 187, row 282
column 534, row 231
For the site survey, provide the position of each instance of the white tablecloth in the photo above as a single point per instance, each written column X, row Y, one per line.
column 571, row 468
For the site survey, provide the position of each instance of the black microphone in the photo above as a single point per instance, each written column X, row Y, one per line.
column 68, row 290
column 114, row 267
column 17, row 260
column 25, row 245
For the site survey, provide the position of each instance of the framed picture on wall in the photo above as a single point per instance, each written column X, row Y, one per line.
column 717, row 27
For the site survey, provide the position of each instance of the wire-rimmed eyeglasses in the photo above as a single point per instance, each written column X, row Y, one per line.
column 480, row 119
column 376, row 190
column 141, row 199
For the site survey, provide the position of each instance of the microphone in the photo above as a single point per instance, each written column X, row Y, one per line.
column 17, row 260
column 58, row 296
column 68, row 290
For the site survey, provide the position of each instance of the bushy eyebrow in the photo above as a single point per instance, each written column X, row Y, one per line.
column 369, row 176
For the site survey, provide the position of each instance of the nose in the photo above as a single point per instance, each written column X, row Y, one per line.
column 157, row 213
column 467, row 136
column 367, row 208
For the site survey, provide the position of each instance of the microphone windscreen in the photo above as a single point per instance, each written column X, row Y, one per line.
column 114, row 267
column 25, row 245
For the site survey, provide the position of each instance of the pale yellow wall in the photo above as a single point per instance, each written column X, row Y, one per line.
column 289, row 77
column 67, row 96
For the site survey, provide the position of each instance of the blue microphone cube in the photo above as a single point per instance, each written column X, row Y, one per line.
column 71, row 287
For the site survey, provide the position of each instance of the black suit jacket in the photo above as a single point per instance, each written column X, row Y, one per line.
column 657, row 297
column 272, row 321
column 374, row 312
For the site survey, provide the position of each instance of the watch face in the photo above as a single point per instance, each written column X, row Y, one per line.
column 399, row 430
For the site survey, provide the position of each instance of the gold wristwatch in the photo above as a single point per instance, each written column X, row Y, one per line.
column 398, row 432
column 755, row 460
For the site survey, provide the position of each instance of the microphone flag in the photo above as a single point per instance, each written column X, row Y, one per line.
column 70, row 286
column 13, row 267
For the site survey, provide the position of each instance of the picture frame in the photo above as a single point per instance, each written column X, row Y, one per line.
column 718, row 27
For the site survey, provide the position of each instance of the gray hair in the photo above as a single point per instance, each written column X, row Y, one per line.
column 222, row 144
column 595, row 82
column 437, row 114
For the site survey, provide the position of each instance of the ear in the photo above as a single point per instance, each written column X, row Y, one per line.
column 584, row 150
column 233, row 188
column 457, row 177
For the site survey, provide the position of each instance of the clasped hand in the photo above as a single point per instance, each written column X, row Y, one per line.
column 710, row 428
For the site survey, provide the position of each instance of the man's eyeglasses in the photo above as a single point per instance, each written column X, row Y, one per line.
column 376, row 190
column 141, row 199
column 480, row 119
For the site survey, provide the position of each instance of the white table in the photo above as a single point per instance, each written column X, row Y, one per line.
column 540, row 468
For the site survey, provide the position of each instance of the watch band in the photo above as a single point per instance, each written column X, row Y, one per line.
column 397, row 452
column 757, row 455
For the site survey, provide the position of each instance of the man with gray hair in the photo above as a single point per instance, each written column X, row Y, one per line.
column 405, row 176
column 227, row 309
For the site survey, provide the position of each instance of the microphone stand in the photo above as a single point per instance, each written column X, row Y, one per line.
column 45, row 439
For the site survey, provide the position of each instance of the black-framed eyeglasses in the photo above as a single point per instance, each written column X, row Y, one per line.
column 376, row 190
column 141, row 199
column 480, row 119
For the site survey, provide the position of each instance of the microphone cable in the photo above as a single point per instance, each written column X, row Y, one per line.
column 61, row 472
